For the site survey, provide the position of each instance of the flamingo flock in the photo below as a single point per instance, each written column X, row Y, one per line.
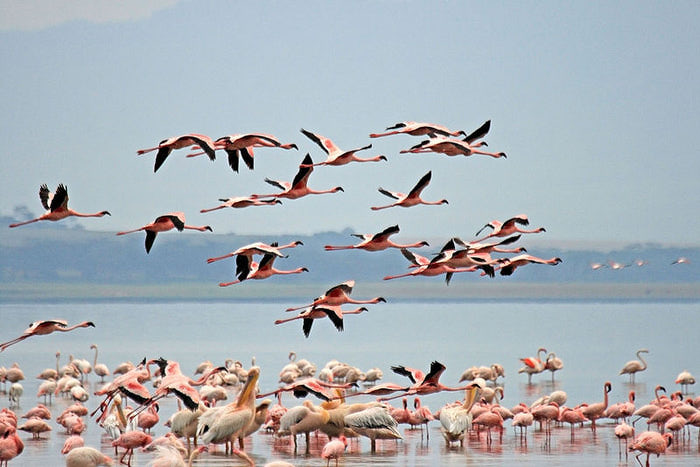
column 204, row 424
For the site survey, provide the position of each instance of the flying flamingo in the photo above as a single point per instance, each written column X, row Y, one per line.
column 651, row 442
column 241, row 145
column 305, row 386
column 334, row 449
column 477, row 247
column 417, row 129
column 377, row 242
column 681, row 260
column 509, row 265
column 633, row 366
column 412, row 198
column 247, row 269
column 56, row 205
column 257, row 248
column 337, row 156
column 334, row 313
column 174, row 220
column 428, row 384
column 298, row 187
column 452, row 147
column 339, row 295
column 166, row 146
column 509, row 227
column 42, row 328
column 425, row 267
column 242, row 202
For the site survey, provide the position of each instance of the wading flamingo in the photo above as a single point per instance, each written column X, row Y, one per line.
column 412, row 198
column 166, row 146
column 174, row 220
column 298, row 188
column 533, row 365
column 42, row 328
column 337, row 156
column 634, row 366
column 334, row 449
column 56, row 205
column 377, row 242
column 651, row 442
column 241, row 145
column 597, row 410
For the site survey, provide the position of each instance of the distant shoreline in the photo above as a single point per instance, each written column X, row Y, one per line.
column 405, row 291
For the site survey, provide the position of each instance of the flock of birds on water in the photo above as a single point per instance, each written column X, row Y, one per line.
column 203, row 424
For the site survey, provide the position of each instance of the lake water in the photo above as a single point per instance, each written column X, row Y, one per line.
column 594, row 339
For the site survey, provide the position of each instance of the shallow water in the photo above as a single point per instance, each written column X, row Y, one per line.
column 594, row 339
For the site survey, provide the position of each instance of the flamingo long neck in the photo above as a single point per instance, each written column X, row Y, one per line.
column 94, row 363
column 644, row 363
column 605, row 397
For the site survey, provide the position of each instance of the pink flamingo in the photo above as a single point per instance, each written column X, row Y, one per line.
column 476, row 247
column 247, row 269
column 429, row 384
column 452, row 147
column 44, row 327
column 533, row 365
column 337, row 156
column 572, row 417
column 131, row 440
column 334, row 449
column 56, row 206
column 174, row 220
column 299, row 186
column 241, row 145
column 623, row 431
column 305, row 386
column 377, row 242
column 339, row 295
column 257, row 248
column 634, row 366
column 412, row 198
column 11, row 445
column 72, row 442
column 422, row 415
column 425, row 267
column 128, row 384
column 621, row 409
column 242, row 202
column 490, row 419
column 166, row 146
column 509, row 227
column 333, row 312
column 509, row 265
column 417, row 129
column 651, row 442
column 595, row 411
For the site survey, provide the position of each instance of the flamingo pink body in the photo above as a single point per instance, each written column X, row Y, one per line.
column 57, row 208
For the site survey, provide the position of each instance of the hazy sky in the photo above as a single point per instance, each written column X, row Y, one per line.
column 595, row 103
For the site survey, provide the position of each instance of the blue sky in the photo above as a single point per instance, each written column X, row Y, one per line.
column 595, row 103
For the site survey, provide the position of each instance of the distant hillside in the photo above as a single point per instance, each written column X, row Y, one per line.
column 62, row 253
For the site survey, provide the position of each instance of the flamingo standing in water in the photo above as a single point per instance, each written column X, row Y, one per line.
column 597, row 410
column 417, row 129
column 174, row 220
column 42, row 328
column 337, row 156
column 241, row 145
column 634, row 366
column 339, row 295
column 553, row 363
column 56, row 205
column 334, row 449
column 242, row 202
column 11, row 445
column 651, row 442
column 298, row 187
column 377, row 242
column 166, row 146
column 412, row 198
column 533, row 365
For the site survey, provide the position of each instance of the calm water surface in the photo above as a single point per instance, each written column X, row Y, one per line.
column 594, row 340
